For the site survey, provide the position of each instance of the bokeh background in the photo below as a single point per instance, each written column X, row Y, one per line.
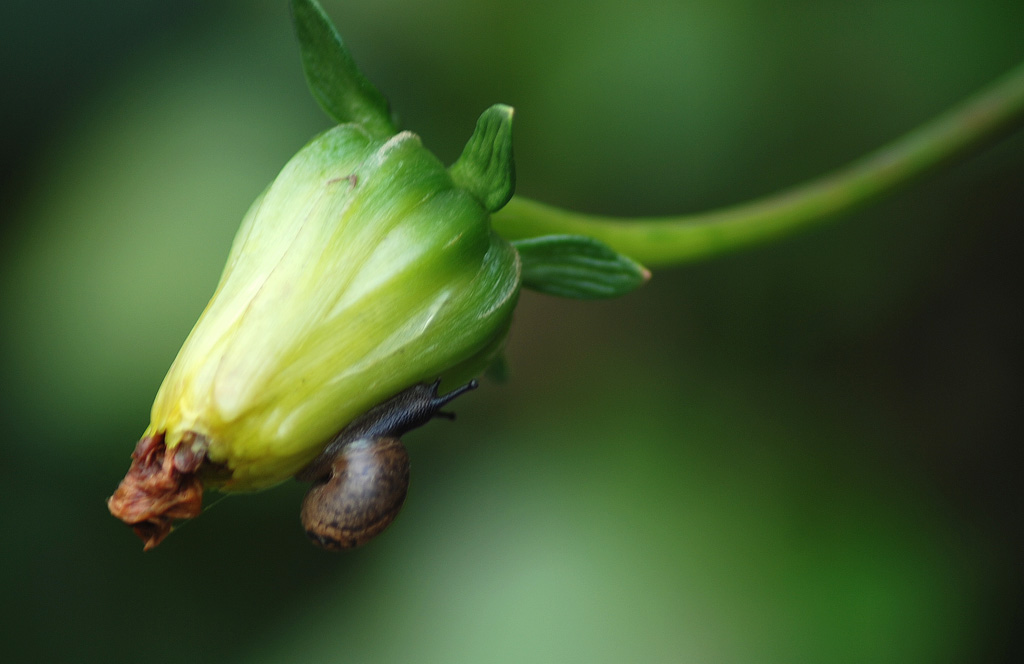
column 805, row 452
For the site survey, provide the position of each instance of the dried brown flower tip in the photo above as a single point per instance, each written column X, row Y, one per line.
column 160, row 487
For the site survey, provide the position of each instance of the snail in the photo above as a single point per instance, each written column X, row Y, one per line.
column 361, row 478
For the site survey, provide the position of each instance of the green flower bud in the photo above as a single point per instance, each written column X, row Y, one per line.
column 363, row 269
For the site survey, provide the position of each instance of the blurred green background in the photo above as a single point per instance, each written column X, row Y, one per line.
column 806, row 452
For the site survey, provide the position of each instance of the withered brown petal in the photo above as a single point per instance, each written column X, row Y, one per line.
column 160, row 487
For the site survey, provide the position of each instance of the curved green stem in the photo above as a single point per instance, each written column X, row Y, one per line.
column 679, row 239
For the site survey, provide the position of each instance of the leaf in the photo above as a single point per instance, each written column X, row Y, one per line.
column 331, row 73
column 486, row 167
column 577, row 267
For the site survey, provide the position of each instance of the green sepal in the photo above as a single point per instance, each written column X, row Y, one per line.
column 577, row 267
column 486, row 168
column 337, row 85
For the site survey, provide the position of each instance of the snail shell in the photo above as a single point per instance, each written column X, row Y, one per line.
column 360, row 496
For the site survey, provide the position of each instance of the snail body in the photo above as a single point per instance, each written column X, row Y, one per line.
column 361, row 478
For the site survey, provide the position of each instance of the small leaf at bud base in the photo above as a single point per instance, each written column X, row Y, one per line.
column 578, row 267
column 486, row 167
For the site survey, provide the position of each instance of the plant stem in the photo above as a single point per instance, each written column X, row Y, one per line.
column 678, row 239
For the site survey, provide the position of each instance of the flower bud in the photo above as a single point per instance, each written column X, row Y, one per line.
column 365, row 267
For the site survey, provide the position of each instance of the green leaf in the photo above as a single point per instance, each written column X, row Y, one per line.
column 577, row 267
column 486, row 168
column 337, row 85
